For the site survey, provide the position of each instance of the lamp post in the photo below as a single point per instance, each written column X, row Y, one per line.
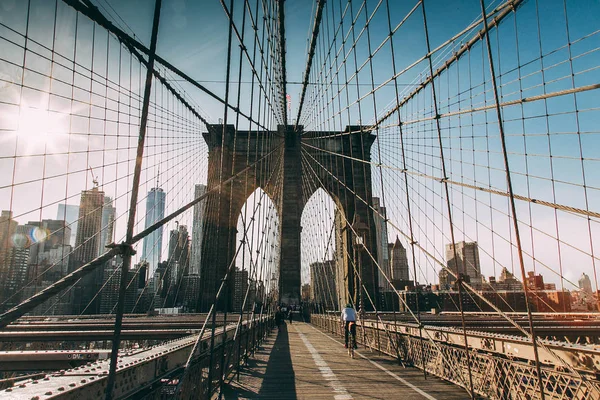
column 360, row 230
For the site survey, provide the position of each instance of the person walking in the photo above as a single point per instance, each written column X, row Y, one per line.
column 278, row 317
column 290, row 315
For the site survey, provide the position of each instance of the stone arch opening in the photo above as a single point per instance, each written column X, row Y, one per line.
column 351, row 186
column 258, row 234
column 324, row 251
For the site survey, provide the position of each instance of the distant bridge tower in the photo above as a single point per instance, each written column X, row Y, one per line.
column 343, row 178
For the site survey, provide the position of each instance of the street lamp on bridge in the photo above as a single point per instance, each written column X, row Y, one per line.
column 360, row 230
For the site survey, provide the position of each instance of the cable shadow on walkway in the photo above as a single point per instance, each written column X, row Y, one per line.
column 269, row 374
column 279, row 381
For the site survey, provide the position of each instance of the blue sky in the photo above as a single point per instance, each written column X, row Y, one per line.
column 193, row 37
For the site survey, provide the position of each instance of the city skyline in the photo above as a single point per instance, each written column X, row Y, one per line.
column 153, row 243
column 563, row 255
column 192, row 191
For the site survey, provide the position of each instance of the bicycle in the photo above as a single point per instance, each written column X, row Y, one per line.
column 350, row 327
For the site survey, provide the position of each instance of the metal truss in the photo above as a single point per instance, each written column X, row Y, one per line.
column 154, row 372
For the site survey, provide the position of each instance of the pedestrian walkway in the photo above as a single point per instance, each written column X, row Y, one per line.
column 302, row 362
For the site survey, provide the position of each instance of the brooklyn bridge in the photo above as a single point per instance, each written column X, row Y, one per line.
column 192, row 192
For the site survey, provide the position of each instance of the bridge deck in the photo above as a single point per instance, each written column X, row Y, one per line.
column 302, row 362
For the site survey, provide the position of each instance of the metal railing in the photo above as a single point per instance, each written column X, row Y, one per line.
column 153, row 373
column 497, row 372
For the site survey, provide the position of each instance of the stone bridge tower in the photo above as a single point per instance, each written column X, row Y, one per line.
column 346, row 178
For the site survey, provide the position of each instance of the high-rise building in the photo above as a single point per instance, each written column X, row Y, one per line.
column 535, row 282
column 110, row 288
column 107, row 235
column 53, row 233
column 323, row 284
column 398, row 262
column 198, row 223
column 87, row 241
column 38, row 256
column 54, row 262
column 7, row 231
column 46, row 235
column 15, row 260
column 506, row 281
column 155, row 211
column 179, row 251
column 306, row 292
column 341, row 258
column 187, row 296
column 69, row 213
column 87, row 244
column 159, row 285
column 176, row 265
column 585, row 283
column 380, row 217
column 240, row 284
column 467, row 262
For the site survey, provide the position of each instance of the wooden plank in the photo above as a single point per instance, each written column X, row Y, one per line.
column 301, row 362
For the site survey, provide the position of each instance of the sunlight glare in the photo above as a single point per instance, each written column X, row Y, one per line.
column 38, row 128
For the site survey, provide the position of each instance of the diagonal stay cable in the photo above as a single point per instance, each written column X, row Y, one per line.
column 27, row 305
column 212, row 312
column 557, row 206
column 349, row 225
column 311, row 53
column 92, row 12
column 466, row 285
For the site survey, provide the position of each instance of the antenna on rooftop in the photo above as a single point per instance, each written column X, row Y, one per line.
column 157, row 177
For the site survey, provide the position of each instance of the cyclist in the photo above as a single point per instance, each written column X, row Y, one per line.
column 349, row 320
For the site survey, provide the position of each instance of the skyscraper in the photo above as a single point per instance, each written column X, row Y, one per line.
column 197, row 230
column 240, row 279
column 87, row 244
column 111, row 283
column 585, row 283
column 70, row 214
column 155, row 211
column 323, row 284
column 7, row 230
column 379, row 217
column 467, row 262
column 179, row 246
column 49, row 247
column 399, row 262
column 87, row 241
column 45, row 235
column 107, row 235
column 177, row 264
column 13, row 262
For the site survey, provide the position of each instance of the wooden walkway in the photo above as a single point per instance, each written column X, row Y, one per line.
column 302, row 362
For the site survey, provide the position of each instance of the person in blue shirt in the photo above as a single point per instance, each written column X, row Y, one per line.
column 349, row 320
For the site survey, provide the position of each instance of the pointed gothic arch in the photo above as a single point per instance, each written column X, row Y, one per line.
column 346, row 179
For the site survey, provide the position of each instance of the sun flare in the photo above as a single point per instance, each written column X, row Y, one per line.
column 38, row 128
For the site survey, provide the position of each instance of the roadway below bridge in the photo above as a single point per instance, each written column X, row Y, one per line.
column 571, row 327
column 101, row 328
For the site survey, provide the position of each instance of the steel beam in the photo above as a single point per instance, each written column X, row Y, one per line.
column 137, row 371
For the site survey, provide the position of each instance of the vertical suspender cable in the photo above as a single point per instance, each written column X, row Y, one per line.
column 512, row 202
column 448, row 206
column 408, row 206
column 133, row 205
